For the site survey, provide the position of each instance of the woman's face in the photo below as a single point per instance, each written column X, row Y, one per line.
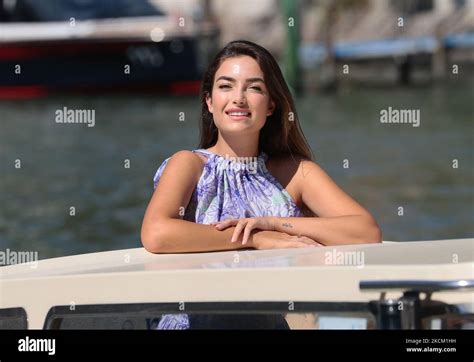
column 240, row 101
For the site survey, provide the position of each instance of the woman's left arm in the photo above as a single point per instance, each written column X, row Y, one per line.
column 339, row 230
column 341, row 219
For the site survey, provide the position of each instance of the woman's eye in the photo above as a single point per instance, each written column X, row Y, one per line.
column 256, row 88
column 224, row 86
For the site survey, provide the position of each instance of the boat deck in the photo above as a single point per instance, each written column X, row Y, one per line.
column 303, row 275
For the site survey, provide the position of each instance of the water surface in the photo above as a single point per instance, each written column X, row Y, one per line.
column 72, row 165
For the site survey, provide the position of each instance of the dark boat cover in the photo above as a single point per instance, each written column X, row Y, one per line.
column 64, row 10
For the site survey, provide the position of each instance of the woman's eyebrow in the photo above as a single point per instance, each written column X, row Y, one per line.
column 248, row 80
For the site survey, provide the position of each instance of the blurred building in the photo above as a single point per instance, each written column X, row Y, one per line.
column 166, row 44
column 263, row 21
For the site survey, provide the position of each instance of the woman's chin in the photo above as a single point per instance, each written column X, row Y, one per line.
column 237, row 127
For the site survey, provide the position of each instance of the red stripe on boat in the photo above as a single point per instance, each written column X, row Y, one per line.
column 22, row 92
column 31, row 51
column 187, row 87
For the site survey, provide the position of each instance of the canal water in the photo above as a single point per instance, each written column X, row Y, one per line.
column 69, row 188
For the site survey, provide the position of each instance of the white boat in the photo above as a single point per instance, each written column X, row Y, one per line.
column 393, row 285
column 127, row 47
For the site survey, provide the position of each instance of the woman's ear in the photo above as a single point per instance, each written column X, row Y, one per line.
column 209, row 102
column 271, row 108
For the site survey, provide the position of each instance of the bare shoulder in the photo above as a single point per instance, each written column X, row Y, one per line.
column 298, row 170
column 185, row 163
column 186, row 157
column 309, row 167
column 175, row 186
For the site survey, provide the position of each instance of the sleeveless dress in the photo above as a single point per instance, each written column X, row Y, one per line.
column 231, row 188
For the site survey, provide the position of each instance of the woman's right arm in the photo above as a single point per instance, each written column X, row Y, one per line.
column 164, row 231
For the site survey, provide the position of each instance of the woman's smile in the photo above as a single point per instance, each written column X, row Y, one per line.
column 238, row 114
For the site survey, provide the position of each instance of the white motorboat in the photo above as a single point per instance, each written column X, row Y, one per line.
column 393, row 285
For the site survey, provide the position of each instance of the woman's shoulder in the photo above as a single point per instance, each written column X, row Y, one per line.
column 180, row 163
column 187, row 157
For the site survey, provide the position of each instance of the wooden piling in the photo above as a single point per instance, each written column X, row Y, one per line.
column 291, row 57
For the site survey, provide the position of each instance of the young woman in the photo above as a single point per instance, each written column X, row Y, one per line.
column 252, row 179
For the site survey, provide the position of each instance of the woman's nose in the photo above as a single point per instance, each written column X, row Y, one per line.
column 239, row 98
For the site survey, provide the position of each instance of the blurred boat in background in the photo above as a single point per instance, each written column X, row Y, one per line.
column 76, row 46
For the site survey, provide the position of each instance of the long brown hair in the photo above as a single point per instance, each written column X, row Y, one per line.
column 281, row 135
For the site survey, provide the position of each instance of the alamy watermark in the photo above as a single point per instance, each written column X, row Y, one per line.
column 248, row 164
column 350, row 258
column 392, row 115
column 28, row 344
column 66, row 115
column 12, row 257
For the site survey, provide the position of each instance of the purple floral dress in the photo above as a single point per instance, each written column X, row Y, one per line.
column 231, row 188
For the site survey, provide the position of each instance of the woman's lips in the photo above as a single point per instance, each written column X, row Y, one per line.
column 238, row 116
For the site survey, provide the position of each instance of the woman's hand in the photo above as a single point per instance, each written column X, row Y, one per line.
column 247, row 225
column 262, row 240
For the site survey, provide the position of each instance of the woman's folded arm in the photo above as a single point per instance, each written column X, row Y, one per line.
column 163, row 230
column 181, row 236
